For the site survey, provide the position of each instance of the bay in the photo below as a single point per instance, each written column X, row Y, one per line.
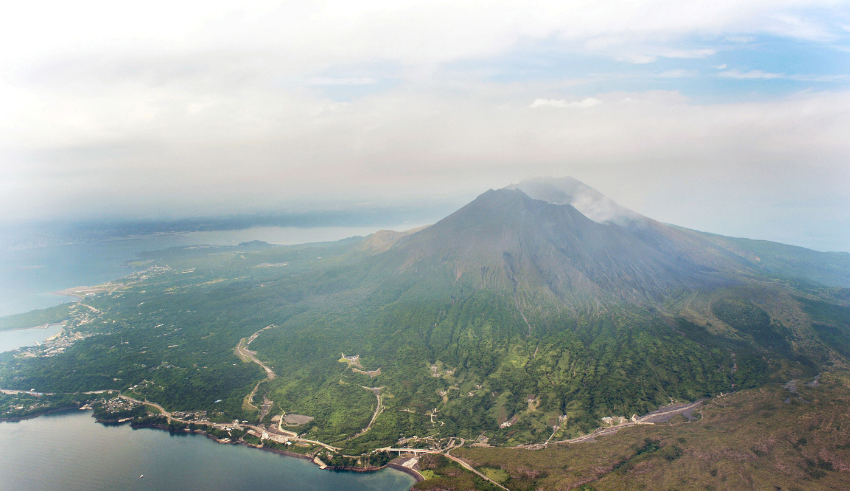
column 70, row 451
column 11, row 340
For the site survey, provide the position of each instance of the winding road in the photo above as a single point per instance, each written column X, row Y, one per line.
column 378, row 410
column 243, row 352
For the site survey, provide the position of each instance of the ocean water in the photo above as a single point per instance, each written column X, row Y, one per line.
column 10, row 340
column 29, row 276
column 70, row 451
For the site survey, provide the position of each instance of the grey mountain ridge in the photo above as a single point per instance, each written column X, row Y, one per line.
column 544, row 249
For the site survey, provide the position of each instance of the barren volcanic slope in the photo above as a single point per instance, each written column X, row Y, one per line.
column 507, row 241
column 526, row 316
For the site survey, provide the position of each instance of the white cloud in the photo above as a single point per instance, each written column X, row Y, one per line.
column 689, row 53
column 634, row 52
column 174, row 105
column 342, row 81
column 794, row 24
column 323, row 33
column 758, row 74
column 677, row 73
column 820, row 78
column 752, row 74
column 273, row 148
column 587, row 102
column 636, row 58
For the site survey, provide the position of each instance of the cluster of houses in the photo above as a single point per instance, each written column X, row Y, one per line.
column 117, row 404
column 53, row 346
column 14, row 408
column 186, row 415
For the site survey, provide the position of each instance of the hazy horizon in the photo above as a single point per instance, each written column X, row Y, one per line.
column 718, row 116
column 68, row 230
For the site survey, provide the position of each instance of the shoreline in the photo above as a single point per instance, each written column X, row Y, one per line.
column 407, row 470
column 67, row 293
column 33, row 416
column 417, row 477
column 45, row 326
column 158, row 426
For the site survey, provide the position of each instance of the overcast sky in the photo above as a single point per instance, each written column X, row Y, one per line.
column 727, row 116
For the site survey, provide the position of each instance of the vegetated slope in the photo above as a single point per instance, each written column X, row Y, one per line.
column 528, row 312
column 790, row 262
column 766, row 438
column 512, row 320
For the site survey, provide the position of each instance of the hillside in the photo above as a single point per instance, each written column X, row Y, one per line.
column 767, row 438
column 526, row 316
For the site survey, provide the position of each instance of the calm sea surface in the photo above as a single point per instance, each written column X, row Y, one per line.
column 10, row 340
column 69, row 451
column 28, row 276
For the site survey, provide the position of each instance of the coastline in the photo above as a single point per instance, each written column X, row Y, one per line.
column 69, row 293
column 407, row 470
column 29, row 444
column 158, row 426
column 45, row 326
column 36, row 415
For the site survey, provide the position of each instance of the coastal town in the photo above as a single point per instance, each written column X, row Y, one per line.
column 54, row 345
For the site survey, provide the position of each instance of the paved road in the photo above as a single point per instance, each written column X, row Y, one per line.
column 11, row 391
column 470, row 468
column 161, row 409
column 663, row 415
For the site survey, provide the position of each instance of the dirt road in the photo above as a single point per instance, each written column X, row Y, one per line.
column 661, row 415
column 244, row 353
column 378, row 410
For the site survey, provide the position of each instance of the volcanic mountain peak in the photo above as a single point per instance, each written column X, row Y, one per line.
column 504, row 238
column 546, row 251
column 590, row 202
